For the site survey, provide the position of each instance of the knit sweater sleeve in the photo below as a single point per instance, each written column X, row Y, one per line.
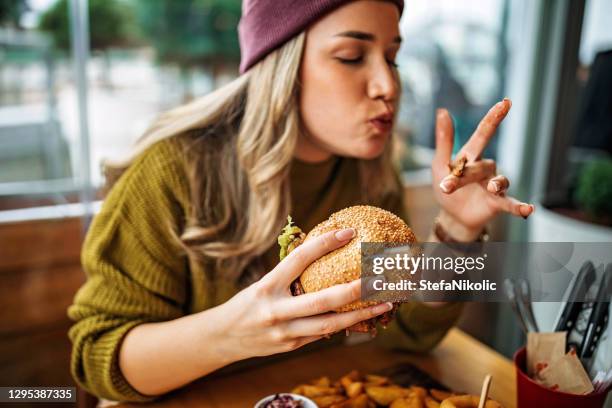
column 134, row 267
column 416, row 327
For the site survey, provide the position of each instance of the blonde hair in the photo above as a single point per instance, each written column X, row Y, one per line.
column 242, row 139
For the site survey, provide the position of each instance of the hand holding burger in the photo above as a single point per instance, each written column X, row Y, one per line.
column 343, row 265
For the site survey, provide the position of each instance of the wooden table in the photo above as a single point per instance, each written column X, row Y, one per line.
column 459, row 362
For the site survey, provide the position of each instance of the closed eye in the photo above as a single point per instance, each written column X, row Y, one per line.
column 350, row 61
column 359, row 60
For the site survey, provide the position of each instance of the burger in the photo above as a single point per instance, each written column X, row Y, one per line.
column 343, row 265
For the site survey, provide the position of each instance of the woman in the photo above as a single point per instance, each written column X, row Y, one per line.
column 177, row 258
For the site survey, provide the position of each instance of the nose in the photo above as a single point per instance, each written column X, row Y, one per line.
column 384, row 83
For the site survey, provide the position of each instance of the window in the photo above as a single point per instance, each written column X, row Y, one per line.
column 453, row 56
column 146, row 56
column 577, row 180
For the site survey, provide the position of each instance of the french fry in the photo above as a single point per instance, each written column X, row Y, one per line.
column 457, row 168
column 321, row 382
column 313, row 391
column 420, row 392
column 406, row 403
column 298, row 390
column 361, row 401
column 345, row 383
column 327, row 401
column 350, row 378
column 466, row 401
column 440, row 395
column 384, row 395
column 400, row 403
column 371, row 379
column 354, row 375
column 431, row 403
column 354, row 389
column 460, row 401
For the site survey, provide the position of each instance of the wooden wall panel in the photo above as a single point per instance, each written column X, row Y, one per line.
column 39, row 244
column 38, row 359
column 37, row 299
column 40, row 273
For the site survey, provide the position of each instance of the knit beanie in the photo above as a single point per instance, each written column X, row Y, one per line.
column 267, row 24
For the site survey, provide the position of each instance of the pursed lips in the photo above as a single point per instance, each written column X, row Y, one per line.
column 383, row 122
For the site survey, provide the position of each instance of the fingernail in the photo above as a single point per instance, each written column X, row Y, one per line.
column 345, row 234
column 446, row 186
column 384, row 307
column 525, row 210
column 496, row 186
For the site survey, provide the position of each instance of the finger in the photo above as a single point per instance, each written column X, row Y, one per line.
column 334, row 322
column 326, row 300
column 498, row 185
column 294, row 264
column 474, row 172
column 486, row 129
column 514, row 206
column 444, row 138
column 305, row 340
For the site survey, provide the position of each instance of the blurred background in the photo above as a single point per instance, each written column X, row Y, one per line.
column 80, row 81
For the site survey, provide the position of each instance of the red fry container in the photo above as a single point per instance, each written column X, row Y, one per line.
column 531, row 394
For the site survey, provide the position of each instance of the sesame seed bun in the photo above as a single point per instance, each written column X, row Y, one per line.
column 371, row 224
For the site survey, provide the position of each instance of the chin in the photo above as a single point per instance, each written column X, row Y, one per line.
column 371, row 149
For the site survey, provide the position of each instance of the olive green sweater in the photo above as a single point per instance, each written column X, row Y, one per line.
column 137, row 273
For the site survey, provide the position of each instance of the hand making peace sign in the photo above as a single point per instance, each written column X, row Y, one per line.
column 474, row 198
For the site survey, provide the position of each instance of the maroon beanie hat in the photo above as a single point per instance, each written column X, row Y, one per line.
column 267, row 24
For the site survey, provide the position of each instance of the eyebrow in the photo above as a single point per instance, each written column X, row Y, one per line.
column 360, row 35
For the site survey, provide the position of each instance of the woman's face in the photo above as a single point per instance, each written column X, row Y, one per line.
column 349, row 84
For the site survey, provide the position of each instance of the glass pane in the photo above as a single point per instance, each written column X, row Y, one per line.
column 453, row 56
column 146, row 57
column 588, row 175
column 37, row 149
column 40, row 267
column 162, row 54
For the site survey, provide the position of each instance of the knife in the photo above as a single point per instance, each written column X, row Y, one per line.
column 599, row 315
column 524, row 296
column 573, row 305
column 510, row 289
